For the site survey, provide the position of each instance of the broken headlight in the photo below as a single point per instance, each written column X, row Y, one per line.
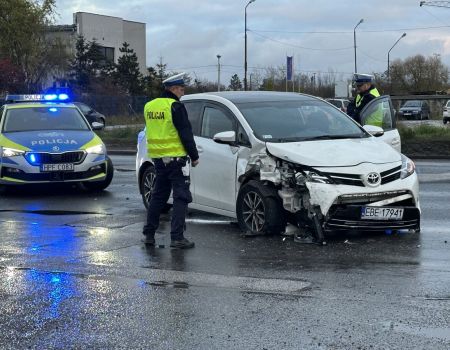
column 408, row 167
column 318, row 178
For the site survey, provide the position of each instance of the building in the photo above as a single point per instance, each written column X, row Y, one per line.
column 109, row 32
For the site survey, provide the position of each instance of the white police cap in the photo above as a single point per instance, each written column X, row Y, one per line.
column 177, row 79
column 362, row 78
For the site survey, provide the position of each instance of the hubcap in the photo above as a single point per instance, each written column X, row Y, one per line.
column 149, row 183
column 254, row 211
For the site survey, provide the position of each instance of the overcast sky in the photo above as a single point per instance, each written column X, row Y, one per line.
column 188, row 34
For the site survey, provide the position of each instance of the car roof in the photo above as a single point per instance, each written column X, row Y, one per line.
column 38, row 104
column 252, row 96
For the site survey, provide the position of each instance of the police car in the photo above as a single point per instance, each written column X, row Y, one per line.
column 45, row 138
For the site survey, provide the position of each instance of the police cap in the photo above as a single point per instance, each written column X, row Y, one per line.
column 175, row 80
column 360, row 79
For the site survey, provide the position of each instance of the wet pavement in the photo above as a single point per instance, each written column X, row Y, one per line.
column 74, row 274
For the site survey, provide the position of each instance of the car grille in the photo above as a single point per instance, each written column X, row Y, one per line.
column 356, row 179
column 57, row 158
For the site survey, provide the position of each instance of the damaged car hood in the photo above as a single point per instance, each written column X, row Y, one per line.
column 335, row 153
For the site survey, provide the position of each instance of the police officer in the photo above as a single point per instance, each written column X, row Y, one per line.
column 366, row 92
column 169, row 143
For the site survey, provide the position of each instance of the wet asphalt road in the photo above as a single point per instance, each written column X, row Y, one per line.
column 73, row 274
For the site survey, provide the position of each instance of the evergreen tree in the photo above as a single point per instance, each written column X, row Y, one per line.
column 127, row 74
column 235, row 83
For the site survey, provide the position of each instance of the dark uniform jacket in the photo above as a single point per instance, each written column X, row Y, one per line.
column 182, row 124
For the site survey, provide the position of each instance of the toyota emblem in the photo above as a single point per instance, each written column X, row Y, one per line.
column 373, row 179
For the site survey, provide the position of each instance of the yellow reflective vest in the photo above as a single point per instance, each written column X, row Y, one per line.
column 376, row 117
column 162, row 136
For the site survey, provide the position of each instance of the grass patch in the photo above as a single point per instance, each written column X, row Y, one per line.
column 424, row 133
column 121, row 136
column 125, row 120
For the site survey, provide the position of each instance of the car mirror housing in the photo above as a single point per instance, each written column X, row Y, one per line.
column 226, row 137
column 97, row 126
column 374, row 130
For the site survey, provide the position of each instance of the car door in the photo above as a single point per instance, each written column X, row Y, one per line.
column 383, row 106
column 214, row 179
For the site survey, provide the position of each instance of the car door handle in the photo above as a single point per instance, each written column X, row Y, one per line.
column 199, row 149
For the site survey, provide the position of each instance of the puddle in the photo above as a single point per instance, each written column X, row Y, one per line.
column 428, row 332
column 53, row 212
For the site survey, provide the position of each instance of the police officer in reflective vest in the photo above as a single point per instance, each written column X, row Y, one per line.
column 171, row 146
column 366, row 93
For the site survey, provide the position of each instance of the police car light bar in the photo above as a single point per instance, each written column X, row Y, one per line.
column 38, row 98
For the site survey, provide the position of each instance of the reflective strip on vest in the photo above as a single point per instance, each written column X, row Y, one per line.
column 374, row 92
column 162, row 136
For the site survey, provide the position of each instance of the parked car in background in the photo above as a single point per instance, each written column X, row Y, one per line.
column 415, row 109
column 446, row 114
column 340, row 103
column 91, row 114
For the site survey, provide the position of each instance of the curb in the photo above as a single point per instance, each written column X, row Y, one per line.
column 121, row 152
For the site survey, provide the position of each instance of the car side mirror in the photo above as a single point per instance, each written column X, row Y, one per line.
column 374, row 130
column 97, row 126
column 225, row 137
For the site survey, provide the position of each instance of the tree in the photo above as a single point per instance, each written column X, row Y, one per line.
column 235, row 83
column 419, row 74
column 11, row 78
column 23, row 25
column 127, row 73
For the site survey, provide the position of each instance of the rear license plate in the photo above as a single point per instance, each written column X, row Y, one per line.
column 57, row 167
column 381, row 213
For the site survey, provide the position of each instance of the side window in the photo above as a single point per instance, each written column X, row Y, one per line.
column 194, row 111
column 378, row 112
column 215, row 120
column 85, row 109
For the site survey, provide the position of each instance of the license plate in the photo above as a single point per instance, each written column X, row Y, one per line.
column 406, row 113
column 381, row 213
column 57, row 167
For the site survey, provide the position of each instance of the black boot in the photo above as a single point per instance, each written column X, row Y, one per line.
column 148, row 240
column 182, row 244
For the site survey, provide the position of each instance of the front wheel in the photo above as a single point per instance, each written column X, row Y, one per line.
column 259, row 210
column 101, row 185
column 146, row 185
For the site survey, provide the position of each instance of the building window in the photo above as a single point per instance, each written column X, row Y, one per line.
column 107, row 53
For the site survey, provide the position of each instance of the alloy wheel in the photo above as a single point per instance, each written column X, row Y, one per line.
column 253, row 211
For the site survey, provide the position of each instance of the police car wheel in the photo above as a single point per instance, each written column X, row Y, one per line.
column 146, row 186
column 259, row 210
column 101, row 185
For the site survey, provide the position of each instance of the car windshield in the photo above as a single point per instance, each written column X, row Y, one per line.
column 412, row 104
column 290, row 121
column 43, row 118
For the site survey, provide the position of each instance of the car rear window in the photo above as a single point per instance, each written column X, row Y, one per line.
column 43, row 118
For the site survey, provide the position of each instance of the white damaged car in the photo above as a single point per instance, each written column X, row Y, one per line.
column 274, row 159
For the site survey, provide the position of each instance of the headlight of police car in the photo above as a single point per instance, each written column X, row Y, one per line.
column 408, row 167
column 99, row 149
column 11, row 152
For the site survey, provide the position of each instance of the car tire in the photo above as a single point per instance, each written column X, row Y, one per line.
column 259, row 210
column 146, row 187
column 419, row 116
column 97, row 186
column 444, row 121
column 103, row 121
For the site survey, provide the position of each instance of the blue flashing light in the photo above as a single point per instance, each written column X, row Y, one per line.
column 63, row 97
column 32, row 158
column 50, row 97
column 53, row 109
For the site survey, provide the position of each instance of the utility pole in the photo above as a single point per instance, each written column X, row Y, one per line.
column 245, row 50
column 218, row 72
column 354, row 40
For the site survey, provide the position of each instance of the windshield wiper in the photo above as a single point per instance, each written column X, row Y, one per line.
column 334, row 137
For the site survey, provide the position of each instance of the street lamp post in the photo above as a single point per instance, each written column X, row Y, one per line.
column 388, row 75
column 218, row 72
column 245, row 53
column 354, row 40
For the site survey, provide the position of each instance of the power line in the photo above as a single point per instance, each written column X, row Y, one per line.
column 349, row 32
column 298, row 46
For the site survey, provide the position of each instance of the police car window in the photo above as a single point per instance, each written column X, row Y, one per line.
column 194, row 110
column 43, row 118
column 85, row 109
column 214, row 121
